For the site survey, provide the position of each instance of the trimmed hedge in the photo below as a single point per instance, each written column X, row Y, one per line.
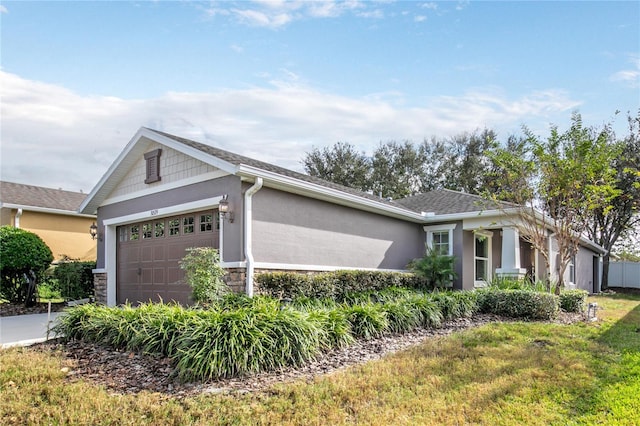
column 573, row 300
column 519, row 304
column 333, row 285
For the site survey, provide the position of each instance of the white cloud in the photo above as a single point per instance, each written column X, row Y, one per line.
column 3, row 9
column 420, row 18
column 430, row 5
column 631, row 77
column 54, row 137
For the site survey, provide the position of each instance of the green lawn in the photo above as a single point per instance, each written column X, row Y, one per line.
column 515, row 373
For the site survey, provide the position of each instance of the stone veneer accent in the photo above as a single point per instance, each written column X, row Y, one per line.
column 100, row 287
column 235, row 279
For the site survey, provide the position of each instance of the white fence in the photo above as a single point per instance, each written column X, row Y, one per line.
column 624, row 274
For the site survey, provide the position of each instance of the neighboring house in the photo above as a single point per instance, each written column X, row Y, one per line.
column 53, row 215
column 164, row 194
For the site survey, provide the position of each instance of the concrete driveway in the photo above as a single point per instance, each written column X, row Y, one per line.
column 23, row 330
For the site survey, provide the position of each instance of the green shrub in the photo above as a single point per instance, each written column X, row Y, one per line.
column 74, row 278
column 437, row 269
column 336, row 285
column 523, row 304
column 48, row 290
column 204, row 274
column 573, row 300
column 24, row 258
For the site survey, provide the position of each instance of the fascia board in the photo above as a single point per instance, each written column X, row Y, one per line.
column 296, row 186
column 45, row 210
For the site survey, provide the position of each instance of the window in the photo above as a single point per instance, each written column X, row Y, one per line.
column 206, row 223
column 135, row 232
column 123, row 233
column 188, row 225
column 482, row 258
column 440, row 242
column 159, row 229
column 147, row 231
column 153, row 165
column 440, row 238
column 174, row 227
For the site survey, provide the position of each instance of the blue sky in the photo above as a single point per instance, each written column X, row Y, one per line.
column 271, row 80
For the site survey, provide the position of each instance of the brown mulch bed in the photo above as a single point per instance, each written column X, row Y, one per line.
column 125, row 372
column 10, row 309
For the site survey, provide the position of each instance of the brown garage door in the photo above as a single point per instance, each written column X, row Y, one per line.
column 148, row 254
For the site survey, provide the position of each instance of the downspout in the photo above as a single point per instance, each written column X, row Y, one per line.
column 248, row 196
column 17, row 219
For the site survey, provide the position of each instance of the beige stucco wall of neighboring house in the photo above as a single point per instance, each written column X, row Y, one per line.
column 64, row 234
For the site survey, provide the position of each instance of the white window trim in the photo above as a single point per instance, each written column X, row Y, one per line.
column 447, row 227
column 489, row 236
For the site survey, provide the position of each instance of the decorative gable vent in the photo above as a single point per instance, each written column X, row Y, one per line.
column 153, row 165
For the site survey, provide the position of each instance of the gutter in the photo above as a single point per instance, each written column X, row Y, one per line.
column 17, row 219
column 247, row 234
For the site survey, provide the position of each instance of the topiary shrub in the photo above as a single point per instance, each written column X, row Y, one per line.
column 523, row 304
column 337, row 285
column 204, row 274
column 24, row 258
column 573, row 300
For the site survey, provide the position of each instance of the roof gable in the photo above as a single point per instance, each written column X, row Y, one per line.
column 37, row 196
column 238, row 165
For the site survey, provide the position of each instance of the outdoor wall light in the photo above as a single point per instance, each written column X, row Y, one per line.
column 93, row 231
column 224, row 209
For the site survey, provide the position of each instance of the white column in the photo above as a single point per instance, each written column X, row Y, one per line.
column 511, row 254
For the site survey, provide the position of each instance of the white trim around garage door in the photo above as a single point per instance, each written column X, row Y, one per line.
column 111, row 237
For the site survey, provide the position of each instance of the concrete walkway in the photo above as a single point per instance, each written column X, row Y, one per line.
column 23, row 330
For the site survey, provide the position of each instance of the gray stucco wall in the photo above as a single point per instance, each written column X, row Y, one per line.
column 230, row 185
column 291, row 229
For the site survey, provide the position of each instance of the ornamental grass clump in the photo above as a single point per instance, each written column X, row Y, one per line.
column 402, row 317
column 247, row 340
column 367, row 321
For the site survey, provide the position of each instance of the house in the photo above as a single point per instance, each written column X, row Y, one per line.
column 164, row 193
column 52, row 215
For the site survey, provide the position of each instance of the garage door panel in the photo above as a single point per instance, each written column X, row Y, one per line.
column 148, row 256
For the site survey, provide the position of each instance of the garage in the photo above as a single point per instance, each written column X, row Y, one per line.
column 148, row 255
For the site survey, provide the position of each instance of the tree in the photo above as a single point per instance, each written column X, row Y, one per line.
column 557, row 183
column 341, row 164
column 398, row 170
column 401, row 169
column 461, row 163
column 24, row 258
column 615, row 221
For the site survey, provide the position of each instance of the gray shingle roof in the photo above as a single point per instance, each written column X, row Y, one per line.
column 237, row 159
column 446, row 201
column 37, row 196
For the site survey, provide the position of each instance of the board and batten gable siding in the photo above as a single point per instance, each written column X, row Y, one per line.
column 230, row 185
column 289, row 229
column 174, row 167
